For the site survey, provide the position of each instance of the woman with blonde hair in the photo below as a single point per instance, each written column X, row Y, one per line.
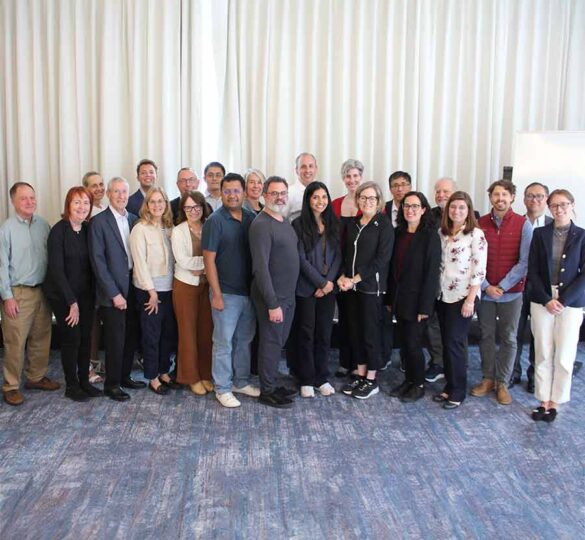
column 150, row 245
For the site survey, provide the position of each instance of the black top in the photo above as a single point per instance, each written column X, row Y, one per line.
column 69, row 274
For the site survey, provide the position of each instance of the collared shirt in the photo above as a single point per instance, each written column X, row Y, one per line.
column 296, row 193
column 95, row 210
column 538, row 222
column 124, row 228
column 394, row 216
column 518, row 271
column 23, row 253
column 213, row 202
column 228, row 239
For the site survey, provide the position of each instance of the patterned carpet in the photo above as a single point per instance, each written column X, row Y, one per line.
column 180, row 466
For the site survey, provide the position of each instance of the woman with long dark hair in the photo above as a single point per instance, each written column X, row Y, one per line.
column 557, row 296
column 320, row 260
column 414, row 285
column 463, row 269
column 69, row 287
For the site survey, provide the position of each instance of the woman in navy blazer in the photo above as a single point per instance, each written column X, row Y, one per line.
column 414, row 287
column 320, row 261
column 69, row 287
column 556, row 273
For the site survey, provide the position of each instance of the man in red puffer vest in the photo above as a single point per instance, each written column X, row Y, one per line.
column 508, row 236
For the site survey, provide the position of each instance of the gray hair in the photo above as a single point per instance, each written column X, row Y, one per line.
column 446, row 178
column 350, row 164
column 257, row 172
column 87, row 176
column 186, row 169
column 115, row 180
column 303, row 154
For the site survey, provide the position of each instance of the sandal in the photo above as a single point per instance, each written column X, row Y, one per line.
column 94, row 378
column 440, row 398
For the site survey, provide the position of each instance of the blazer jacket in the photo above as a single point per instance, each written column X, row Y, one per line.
column 418, row 287
column 572, row 271
column 108, row 257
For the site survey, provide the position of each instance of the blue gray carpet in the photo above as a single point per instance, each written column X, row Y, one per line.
column 180, row 466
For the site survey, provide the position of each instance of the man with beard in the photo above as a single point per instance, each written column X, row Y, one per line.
column 275, row 264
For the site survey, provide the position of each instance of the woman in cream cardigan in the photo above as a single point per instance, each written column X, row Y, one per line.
column 191, row 296
column 152, row 256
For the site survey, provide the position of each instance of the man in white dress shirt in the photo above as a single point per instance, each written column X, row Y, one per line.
column 306, row 170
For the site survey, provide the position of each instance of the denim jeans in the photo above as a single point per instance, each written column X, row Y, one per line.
column 233, row 332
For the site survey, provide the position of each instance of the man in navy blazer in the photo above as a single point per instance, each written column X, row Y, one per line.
column 112, row 264
column 146, row 174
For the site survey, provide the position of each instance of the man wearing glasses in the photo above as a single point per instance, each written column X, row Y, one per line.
column 535, row 198
column 186, row 181
column 228, row 268
column 275, row 258
column 400, row 184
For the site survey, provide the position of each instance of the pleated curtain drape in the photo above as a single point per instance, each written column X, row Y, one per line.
column 434, row 87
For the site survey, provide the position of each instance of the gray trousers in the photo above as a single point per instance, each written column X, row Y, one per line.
column 271, row 340
column 498, row 322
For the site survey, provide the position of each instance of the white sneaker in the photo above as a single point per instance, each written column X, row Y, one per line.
column 228, row 400
column 307, row 391
column 248, row 390
column 326, row 389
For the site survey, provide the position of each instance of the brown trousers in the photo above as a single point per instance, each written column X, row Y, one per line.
column 193, row 314
column 30, row 329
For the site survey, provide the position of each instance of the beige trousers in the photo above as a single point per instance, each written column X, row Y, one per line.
column 30, row 329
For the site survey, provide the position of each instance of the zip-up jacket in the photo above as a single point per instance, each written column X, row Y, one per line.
column 367, row 251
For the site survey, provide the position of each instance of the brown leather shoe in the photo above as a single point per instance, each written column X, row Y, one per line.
column 483, row 388
column 44, row 384
column 502, row 395
column 13, row 397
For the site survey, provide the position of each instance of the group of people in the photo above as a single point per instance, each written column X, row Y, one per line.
column 253, row 264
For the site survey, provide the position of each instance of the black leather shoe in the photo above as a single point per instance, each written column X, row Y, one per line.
column 413, row 394
column 538, row 414
column 91, row 390
column 132, row 384
column 76, row 393
column 117, row 394
column 171, row 385
column 550, row 415
column 275, row 400
column 161, row 389
column 286, row 392
column 401, row 389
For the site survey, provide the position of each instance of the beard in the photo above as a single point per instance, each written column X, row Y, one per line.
column 280, row 209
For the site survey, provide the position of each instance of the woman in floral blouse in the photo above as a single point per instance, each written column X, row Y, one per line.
column 463, row 267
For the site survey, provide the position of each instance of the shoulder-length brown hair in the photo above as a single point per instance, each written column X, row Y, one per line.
column 447, row 222
column 77, row 191
column 145, row 215
column 199, row 199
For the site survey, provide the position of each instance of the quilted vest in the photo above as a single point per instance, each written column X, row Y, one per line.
column 503, row 246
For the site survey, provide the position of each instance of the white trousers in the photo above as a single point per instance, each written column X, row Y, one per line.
column 555, row 343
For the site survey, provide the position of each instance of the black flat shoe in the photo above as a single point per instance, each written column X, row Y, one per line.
column 286, row 392
column 538, row 414
column 171, row 385
column 161, row 389
column 413, row 394
column 117, row 394
column 276, row 400
column 550, row 415
column 440, row 398
column 450, row 405
column 132, row 384
column 400, row 390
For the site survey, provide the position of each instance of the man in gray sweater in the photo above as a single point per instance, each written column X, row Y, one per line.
column 275, row 263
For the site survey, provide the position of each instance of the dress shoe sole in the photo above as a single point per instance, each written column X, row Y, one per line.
column 275, row 405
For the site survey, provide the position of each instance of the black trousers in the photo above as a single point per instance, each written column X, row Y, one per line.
column 158, row 333
column 120, row 339
column 454, row 331
column 272, row 338
column 312, row 329
column 345, row 358
column 364, row 320
column 523, row 324
column 75, row 340
column 412, row 334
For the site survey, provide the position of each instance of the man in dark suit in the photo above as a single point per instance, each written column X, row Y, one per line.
column 186, row 181
column 112, row 264
column 146, row 174
column 535, row 198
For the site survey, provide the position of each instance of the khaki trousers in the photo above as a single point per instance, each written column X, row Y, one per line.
column 30, row 329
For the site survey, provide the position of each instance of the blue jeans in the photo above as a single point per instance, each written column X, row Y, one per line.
column 233, row 332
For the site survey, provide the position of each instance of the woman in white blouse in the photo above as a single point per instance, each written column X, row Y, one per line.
column 191, row 296
column 463, row 267
column 153, row 278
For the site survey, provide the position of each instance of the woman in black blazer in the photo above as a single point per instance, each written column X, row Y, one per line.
column 69, row 287
column 556, row 273
column 413, row 287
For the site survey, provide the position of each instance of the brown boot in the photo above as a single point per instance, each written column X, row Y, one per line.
column 502, row 395
column 13, row 397
column 483, row 388
column 44, row 384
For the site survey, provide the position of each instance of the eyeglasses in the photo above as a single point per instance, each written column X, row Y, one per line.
column 400, row 185
column 414, row 207
column 562, row 206
column 276, row 194
column 368, row 199
column 534, row 197
column 196, row 208
column 229, row 192
column 191, row 180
